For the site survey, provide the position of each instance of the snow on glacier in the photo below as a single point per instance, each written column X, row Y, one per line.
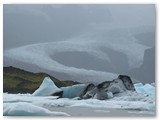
column 46, row 88
column 42, row 55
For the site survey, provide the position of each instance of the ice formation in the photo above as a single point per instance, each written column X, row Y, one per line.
column 147, row 88
column 73, row 91
column 46, row 88
column 128, row 100
column 143, row 99
column 28, row 109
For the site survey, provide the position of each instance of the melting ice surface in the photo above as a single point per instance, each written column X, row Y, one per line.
column 140, row 101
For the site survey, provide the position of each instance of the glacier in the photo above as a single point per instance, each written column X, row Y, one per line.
column 41, row 57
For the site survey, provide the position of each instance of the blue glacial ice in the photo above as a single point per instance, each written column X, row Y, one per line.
column 46, row 88
column 147, row 88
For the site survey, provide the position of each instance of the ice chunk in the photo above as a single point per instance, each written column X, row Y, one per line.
column 109, row 94
column 115, row 89
column 147, row 88
column 46, row 88
column 138, row 85
column 127, row 100
column 28, row 109
column 73, row 91
column 153, row 84
column 12, row 98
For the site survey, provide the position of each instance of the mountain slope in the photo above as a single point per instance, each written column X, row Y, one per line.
column 146, row 72
column 16, row 80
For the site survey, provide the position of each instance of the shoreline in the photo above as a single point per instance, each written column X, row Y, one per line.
column 101, row 112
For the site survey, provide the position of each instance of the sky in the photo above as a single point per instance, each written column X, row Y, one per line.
column 28, row 24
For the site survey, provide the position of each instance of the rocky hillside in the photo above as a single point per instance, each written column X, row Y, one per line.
column 16, row 80
column 146, row 72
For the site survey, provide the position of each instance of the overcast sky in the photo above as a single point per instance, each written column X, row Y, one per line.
column 28, row 24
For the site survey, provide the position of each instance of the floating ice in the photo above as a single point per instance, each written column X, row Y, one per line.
column 127, row 100
column 147, row 88
column 27, row 109
column 109, row 94
column 12, row 98
column 153, row 84
column 73, row 91
column 138, row 85
column 46, row 88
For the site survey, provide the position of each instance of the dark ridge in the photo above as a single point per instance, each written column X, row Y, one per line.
column 146, row 72
column 16, row 80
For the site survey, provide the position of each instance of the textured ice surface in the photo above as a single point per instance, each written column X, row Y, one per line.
column 147, row 88
column 46, row 88
column 109, row 94
column 27, row 109
column 12, row 98
column 143, row 99
column 127, row 100
column 73, row 91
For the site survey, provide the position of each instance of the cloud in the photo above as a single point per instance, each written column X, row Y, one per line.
column 35, row 10
column 133, row 14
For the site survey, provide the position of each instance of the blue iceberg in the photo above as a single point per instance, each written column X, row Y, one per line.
column 47, row 88
column 147, row 88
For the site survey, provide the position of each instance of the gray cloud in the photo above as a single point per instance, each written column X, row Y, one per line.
column 28, row 24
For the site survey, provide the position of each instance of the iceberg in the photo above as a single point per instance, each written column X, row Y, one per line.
column 147, row 88
column 73, row 91
column 13, row 98
column 115, row 89
column 109, row 94
column 47, row 88
column 128, row 100
column 153, row 84
column 28, row 109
